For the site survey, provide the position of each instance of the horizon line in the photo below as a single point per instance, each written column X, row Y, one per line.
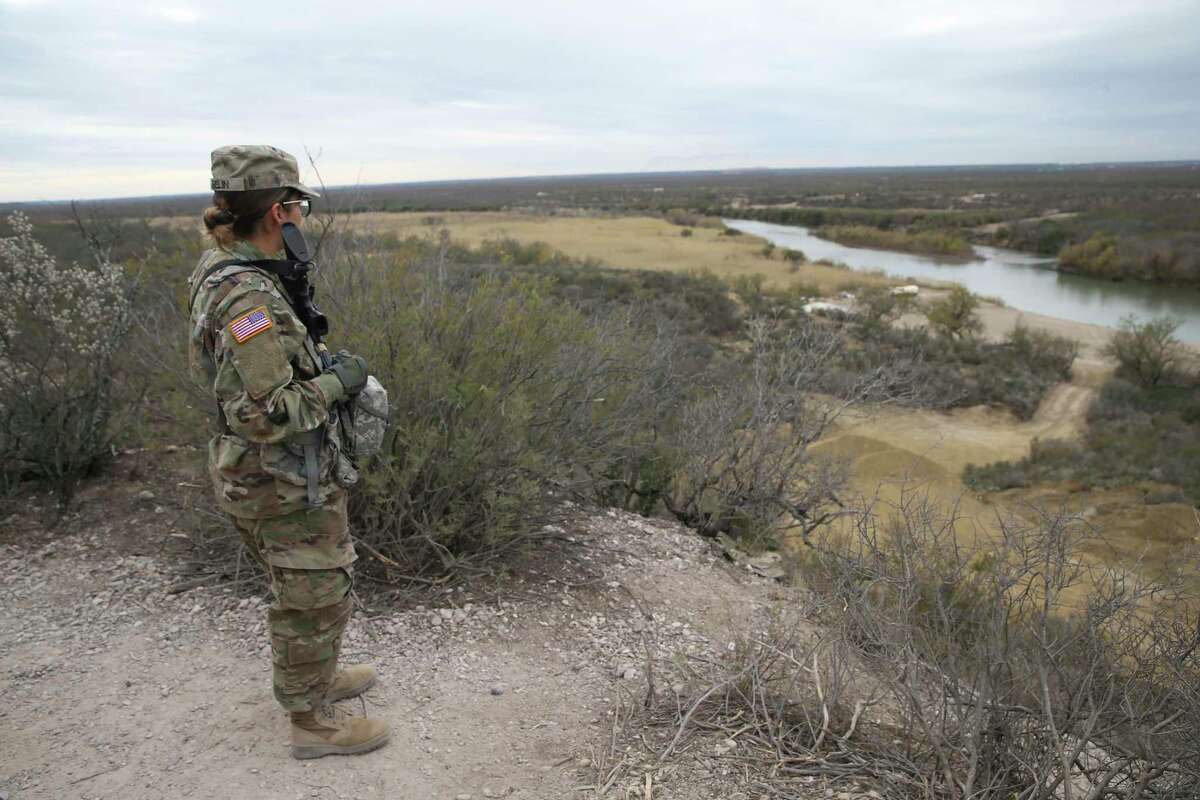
column 1174, row 162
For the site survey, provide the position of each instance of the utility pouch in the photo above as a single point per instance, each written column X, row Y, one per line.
column 311, row 443
column 368, row 420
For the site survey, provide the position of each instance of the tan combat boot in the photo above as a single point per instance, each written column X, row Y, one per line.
column 350, row 682
column 329, row 732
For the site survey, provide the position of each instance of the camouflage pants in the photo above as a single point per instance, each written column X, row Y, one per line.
column 311, row 609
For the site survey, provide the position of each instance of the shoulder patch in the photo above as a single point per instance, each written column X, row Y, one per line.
column 250, row 324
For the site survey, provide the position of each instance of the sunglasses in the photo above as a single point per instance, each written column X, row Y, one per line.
column 305, row 205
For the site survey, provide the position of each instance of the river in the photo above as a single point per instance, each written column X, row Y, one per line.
column 1022, row 280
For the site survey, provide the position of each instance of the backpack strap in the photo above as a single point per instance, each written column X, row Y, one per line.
column 208, row 273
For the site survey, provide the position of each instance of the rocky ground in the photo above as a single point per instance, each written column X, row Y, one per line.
column 115, row 683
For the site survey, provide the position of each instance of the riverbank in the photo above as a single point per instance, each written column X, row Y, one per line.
column 932, row 243
column 1022, row 281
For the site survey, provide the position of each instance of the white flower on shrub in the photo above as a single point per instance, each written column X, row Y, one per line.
column 74, row 313
column 60, row 327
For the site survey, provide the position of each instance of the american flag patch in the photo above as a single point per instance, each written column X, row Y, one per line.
column 250, row 324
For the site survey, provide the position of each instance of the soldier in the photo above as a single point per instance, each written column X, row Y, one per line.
column 275, row 460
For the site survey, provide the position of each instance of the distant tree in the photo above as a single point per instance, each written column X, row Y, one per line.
column 1147, row 351
column 955, row 315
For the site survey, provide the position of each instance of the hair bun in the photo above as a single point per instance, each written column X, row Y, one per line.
column 215, row 217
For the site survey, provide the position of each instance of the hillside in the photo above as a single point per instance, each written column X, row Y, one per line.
column 113, row 683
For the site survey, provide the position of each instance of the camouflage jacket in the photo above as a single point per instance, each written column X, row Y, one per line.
column 250, row 352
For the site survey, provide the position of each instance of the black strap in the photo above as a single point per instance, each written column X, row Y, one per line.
column 281, row 269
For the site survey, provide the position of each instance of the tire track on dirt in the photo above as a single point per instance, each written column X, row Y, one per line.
column 1063, row 412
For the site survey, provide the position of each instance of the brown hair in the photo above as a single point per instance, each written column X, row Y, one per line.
column 235, row 215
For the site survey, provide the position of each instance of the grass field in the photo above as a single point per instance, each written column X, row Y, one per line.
column 629, row 243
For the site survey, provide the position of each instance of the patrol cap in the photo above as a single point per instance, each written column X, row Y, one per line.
column 243, row 167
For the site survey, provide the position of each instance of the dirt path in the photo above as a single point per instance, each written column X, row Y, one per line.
column 1062, row 413
column 935, row 446
column 112, row 687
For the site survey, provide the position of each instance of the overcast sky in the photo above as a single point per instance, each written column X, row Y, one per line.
column 101, row 99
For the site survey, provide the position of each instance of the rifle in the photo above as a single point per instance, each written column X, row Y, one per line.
column 293, row 272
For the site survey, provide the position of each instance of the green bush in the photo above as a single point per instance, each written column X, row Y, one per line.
column 1015, row 373
column 749, row 289
column 936, row 242
column 1133, row 434
column 1097, row 257
column 505, row 400
column 1147, row 351
column 955, row 315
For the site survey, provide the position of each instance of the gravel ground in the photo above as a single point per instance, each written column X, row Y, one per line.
column 111, row 686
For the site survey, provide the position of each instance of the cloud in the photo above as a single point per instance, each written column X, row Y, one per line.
column 177, row 14
column 425, row 90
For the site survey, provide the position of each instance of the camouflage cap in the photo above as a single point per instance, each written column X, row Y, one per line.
column 242, row 167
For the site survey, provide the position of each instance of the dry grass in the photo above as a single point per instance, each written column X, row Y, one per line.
column 628, row 243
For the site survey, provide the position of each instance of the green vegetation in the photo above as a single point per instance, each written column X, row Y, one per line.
column 1157, row 243
column 1144, row 424
column 919, row 242
column 954, row 316
column 793, row 256
column 884, row 219
column 1096, row 257
column 1133, row 434
column 550, row 375
column 1147, row 352
column 957, row 372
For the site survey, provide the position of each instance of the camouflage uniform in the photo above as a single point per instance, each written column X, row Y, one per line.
column 252, row 353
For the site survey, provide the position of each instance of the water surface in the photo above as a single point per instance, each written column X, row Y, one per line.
column 1022, row 280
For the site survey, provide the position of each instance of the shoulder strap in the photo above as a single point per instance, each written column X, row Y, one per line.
column 208, row 273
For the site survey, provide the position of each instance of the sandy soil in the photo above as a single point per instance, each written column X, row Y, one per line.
column 112, row 686
column 894, row 451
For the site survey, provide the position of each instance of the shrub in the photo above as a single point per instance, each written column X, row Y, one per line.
column 1097, row 256
column 878, row 307
column 686, row 232
column 937, row 242
column 1133, row 433
column 61, row 329
column 739, row 446
column 1146, row 351
column 1014, row 665
column 1003, row 667
column 1119, row 399
column 749, row 289
column 1042, row 350
column 962, row 372
column 505, row 400
column 955, row 315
